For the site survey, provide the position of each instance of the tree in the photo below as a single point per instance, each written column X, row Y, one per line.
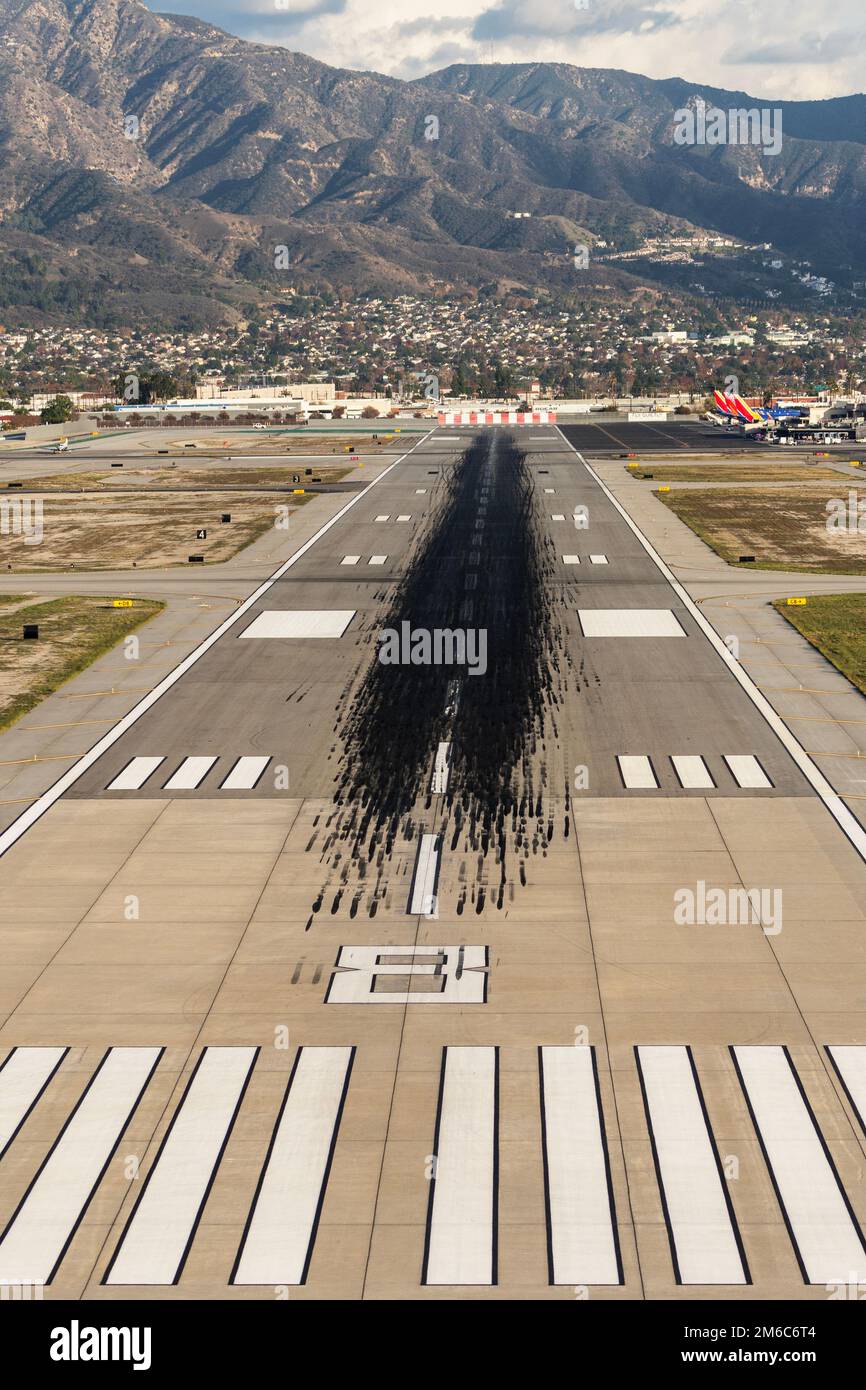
column 58, row 411
column 369, row 413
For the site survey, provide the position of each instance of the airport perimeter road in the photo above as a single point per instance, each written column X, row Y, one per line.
column 521, row 978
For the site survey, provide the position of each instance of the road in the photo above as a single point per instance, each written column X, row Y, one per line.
column 419, row 980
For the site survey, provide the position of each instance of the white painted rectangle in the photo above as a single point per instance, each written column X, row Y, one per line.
column 571, row 559
column 244, row 775
column 156, row 1240
column 423, row 899
column 134, row 775
column 850, row 1063
column 420, row 491
column 557, row 516
column 191, row 772
column 702, row 1234
column 385, row 517
column 580, row 1219
column 598, row 559
column 828, row 1242
column 629, row 622
column 636, row 771
column 405, row 516
column 278, row 1242
column 36, row 1237
column 747, row 771
column 462, row 1217
column 691, row 770
column 550, row 490
column 378, row 559
column 23, row 1077
column 441, row 769
column 350, row 559
column 300, row 622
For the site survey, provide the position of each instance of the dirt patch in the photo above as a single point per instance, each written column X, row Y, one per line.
column 73, row 632
column 98, row 531
column 784, row 529
column 190, row 477
column 738, row 473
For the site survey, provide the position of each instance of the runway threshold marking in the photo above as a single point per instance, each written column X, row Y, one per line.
column 629, row 622
column 37, row 808
column 298, row 624
column 24, row 1076
column 191, row 772
column 702, row 1230
column 460, row 1245
column 849, row 1063
column 245, row 775
column 637, row 772
column 582, row 1239
column 747, row 771
column 827, row 1239
column 134, row 775
column 692, row 771
column 847, row 822
column 42, row 1226
column 158, row 1235
column 280, row 1232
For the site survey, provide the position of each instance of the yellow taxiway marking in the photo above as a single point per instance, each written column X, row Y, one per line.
column 77, row 724
column 38, row 758
column 92, row 694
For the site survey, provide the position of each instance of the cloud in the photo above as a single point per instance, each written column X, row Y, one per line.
column 767, row 48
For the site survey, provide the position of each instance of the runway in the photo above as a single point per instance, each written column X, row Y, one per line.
column 357, row 971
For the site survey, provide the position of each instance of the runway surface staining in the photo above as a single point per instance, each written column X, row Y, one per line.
column 456, row 923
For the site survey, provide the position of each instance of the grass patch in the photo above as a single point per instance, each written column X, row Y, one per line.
column 73, row 632
column 836, row 625
column 785, row 529
column 181, row 477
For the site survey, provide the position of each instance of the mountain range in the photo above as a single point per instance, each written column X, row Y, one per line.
column 155, row 167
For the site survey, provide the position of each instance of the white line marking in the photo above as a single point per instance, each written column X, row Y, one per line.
column 350, row 559
column 191, row 772
column 244, row 775
column 598, row 559
column 23, row 1077
column 423, row 899
column 637, row 771
column 746, row 770
column 277, row 1245
column 629, row 622
column 36, row 1237
column 850, row 1063
column 300, row 623
column 557, row 516
column 698, row 1217
column 457, row 974
column 404, row 517
column 691, row 770
column 829, row 1244
column 441, row 769
column 377, row 559
column 463, row 1198
column 134, row 775
column 28, row 817
column 582, row 1240
column 550, row 491
column 571, row 559
column 420, row 491
column 386, row 517
column 847, row 823
column 156, row 1239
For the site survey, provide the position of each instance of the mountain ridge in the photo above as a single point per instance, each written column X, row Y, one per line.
column 243, row 148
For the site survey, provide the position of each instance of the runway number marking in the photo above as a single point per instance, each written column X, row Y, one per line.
column 457, row 974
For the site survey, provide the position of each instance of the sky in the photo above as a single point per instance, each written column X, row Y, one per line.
column 768, row 48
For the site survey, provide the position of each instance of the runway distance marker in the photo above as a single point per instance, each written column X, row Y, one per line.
column 796, row 602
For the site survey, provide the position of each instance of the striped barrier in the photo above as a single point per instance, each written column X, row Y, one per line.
column 497, row 417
